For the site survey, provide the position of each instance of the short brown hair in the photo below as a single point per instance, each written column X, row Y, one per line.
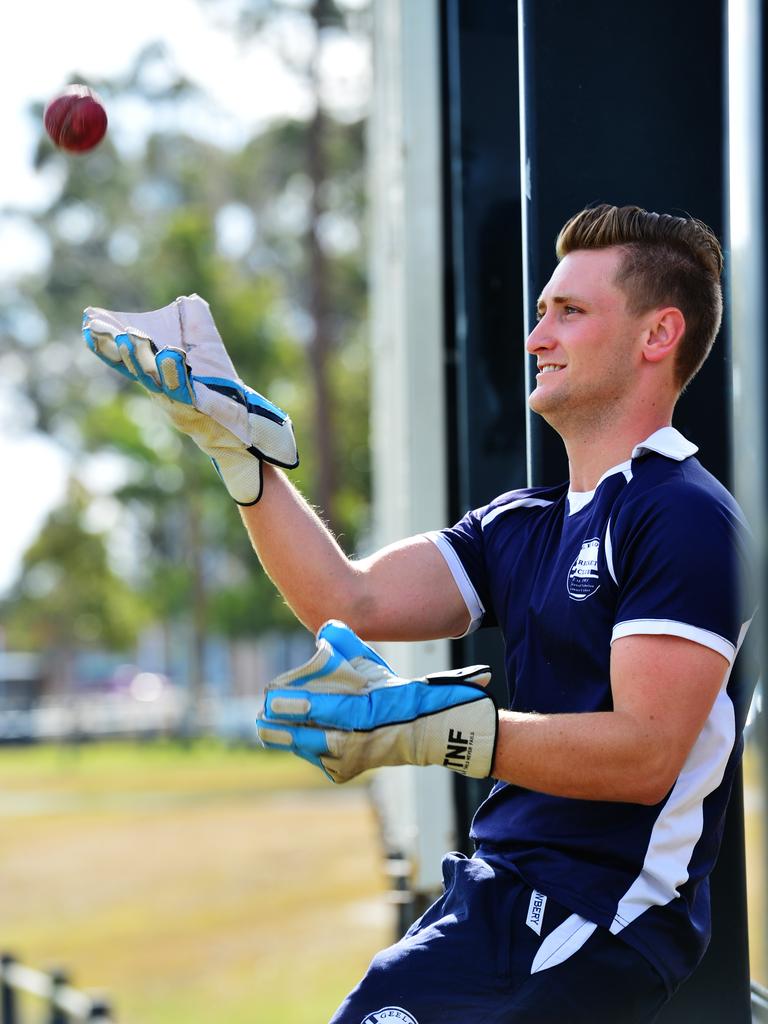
column 668, row 261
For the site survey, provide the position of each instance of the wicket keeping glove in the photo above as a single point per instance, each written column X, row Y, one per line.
column 345, row 711
column 177, row 354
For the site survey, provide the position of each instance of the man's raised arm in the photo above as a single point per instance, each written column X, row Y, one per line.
column 403, row 592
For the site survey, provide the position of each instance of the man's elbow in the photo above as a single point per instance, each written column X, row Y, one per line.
column 649, row 796
column 653, row 780
column 349, row 603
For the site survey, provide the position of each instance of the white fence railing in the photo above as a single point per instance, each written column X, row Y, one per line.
column 61, row 1003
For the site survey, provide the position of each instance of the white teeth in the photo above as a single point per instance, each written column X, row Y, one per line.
column 550, row 368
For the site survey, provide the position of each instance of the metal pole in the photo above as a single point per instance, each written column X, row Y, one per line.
column 747, row 241
column 7, row 992
column 483, row 293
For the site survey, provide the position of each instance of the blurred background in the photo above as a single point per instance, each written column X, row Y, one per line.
column 147, row 844
column 233, row 167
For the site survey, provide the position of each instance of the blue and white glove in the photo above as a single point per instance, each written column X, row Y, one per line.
column 177, row 354
column 346, row 711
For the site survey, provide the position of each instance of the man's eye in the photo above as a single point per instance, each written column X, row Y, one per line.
column 571, row 309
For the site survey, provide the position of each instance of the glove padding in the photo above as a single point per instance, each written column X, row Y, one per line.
column 177, row 354
column 346, row 711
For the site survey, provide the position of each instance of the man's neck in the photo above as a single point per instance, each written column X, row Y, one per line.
column 589, row 456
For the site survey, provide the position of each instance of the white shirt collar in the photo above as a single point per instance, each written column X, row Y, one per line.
column 667, row 441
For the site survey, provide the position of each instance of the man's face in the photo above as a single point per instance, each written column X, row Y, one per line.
column 587, row 345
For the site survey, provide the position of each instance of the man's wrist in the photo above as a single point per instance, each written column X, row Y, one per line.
column 467, row 739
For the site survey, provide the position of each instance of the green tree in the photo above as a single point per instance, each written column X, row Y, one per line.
column 318, row 163
column 68, row 596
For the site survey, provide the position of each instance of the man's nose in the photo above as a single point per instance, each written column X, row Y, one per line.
column 540, row 337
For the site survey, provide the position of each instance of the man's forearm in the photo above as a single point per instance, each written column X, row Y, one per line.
column 592, row 756
column 300, row 555
column 404, row 591
column 663, row 690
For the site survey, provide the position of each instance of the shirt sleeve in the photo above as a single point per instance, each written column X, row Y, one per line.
column 681, row 563
column 463, row 549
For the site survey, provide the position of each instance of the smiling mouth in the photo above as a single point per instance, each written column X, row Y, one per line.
column 548, row 368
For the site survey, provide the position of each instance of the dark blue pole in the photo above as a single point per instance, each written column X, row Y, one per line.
column 483, row 288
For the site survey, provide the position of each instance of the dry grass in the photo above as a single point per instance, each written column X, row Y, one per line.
column 195, row 886
column 207, row 885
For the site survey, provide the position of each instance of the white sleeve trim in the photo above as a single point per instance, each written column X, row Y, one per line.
column 669, row 627
column 463, row 582
column 489, row 517
column 609, row 552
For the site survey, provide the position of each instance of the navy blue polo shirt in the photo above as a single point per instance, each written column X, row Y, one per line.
column 658, row 547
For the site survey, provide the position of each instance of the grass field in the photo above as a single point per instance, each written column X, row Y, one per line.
column 194, row 884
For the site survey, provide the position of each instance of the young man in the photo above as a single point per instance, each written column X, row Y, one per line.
column 623, row 599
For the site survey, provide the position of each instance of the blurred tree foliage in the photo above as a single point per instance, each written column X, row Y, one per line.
column 67, row 568
column 275, row 243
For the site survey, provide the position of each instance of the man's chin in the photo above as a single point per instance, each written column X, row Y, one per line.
column 545, row 405
column 541, row 402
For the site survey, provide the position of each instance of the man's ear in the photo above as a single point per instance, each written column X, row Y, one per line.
column 665, row 330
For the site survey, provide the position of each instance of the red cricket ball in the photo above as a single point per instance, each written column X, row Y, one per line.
column 76, row 119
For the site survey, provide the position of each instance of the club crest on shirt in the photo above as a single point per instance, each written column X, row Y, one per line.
column 583, row 578
column 389, row 1015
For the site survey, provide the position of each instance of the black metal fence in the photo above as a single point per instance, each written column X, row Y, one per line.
column 60, row 1002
